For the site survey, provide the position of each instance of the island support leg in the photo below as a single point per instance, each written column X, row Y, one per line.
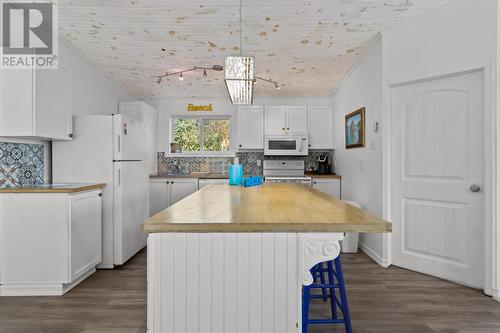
column 232, row 282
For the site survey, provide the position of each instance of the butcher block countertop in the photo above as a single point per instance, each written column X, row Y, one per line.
column 52, row 188
column 329, row 175
column 272, row 207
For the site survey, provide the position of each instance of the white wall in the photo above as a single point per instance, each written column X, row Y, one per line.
column 361, row 168
column 455, row 38
column 168, row 107
column 92, row 93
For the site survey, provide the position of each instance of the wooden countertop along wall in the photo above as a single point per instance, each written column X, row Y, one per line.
column 330, row 176
column 272, row 207
column 52, row 188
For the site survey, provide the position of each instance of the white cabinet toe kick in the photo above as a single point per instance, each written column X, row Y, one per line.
column 232, row 282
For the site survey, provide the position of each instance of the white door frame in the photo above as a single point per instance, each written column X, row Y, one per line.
column 491, row 186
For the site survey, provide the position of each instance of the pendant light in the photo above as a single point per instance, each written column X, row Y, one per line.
column 239, row 75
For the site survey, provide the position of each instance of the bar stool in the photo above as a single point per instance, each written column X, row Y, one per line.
column 320, row 272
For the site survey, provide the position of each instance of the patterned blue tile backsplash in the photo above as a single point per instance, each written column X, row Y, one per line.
column 21, row 164
column 167, row 164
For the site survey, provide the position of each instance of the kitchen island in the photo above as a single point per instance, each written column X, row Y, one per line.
column 234, row 259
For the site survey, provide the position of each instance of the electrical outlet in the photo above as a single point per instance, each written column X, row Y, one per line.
column 376, row 127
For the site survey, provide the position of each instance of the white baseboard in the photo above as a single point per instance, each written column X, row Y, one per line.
column 41, row 289
column 496, row 295
column 374, row 255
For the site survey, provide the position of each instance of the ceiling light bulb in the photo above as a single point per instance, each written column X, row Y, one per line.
column 205, row 73
column 181, row 78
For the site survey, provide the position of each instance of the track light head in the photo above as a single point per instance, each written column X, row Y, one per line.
column 181, row 78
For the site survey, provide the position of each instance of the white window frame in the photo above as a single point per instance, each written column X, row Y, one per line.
column 202, row 153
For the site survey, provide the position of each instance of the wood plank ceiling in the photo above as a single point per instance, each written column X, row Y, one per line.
column 307, row 46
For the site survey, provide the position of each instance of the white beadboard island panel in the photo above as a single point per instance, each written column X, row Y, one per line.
column 232, row 282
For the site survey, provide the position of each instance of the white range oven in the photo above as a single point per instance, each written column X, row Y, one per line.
column 285, row 171
column 289, row 145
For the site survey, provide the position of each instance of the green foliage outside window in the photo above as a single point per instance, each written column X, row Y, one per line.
column 187, row 134
column 216, row 135
column 197, row 134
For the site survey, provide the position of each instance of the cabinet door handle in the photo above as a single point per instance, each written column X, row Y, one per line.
column 240, row 145
column 168, row 182
column 70, row 135
column 288, row 128
column 283, row 128
column 314, row 182
column 171, row 182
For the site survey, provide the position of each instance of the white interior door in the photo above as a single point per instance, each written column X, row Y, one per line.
column 131, row 197
column 437, row 156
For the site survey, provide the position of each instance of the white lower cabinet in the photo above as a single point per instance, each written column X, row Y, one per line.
column 330, row 186
column 164, row 192
column 49, row 242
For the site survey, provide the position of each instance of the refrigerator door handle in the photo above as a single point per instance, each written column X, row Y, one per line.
column 119, row 143
column 119, row 177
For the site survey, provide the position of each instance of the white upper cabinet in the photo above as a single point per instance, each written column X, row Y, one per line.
column 296, row 119
column 275, row 119
column 320, row 127
column 53, row 103
column 286, row 119
column 251, row 127
column 36, row 103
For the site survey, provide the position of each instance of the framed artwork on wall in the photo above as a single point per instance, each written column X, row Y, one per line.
column 355, row 129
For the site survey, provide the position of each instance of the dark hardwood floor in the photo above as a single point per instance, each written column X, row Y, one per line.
column 382, row 300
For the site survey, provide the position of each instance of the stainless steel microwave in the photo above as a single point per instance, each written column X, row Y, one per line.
column 289, row 144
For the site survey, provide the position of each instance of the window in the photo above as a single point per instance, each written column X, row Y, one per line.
column 202, row 134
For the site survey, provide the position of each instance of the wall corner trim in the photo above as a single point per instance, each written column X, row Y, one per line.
column 358, row 62
column 374, row 255
column 81, row 55
column 422, row 16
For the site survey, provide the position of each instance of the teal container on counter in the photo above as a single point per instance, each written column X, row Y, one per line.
column 236, row 174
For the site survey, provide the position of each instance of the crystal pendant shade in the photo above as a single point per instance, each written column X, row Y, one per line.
column 239, row 78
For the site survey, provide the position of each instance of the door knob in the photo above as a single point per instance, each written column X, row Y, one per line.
column 475, row 188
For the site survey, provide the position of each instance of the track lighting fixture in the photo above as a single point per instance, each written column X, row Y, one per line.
column 216, row 68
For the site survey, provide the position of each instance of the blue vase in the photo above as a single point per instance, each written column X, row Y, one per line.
column 236, row 174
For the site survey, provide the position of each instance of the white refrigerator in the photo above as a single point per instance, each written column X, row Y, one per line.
column 112, row 150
